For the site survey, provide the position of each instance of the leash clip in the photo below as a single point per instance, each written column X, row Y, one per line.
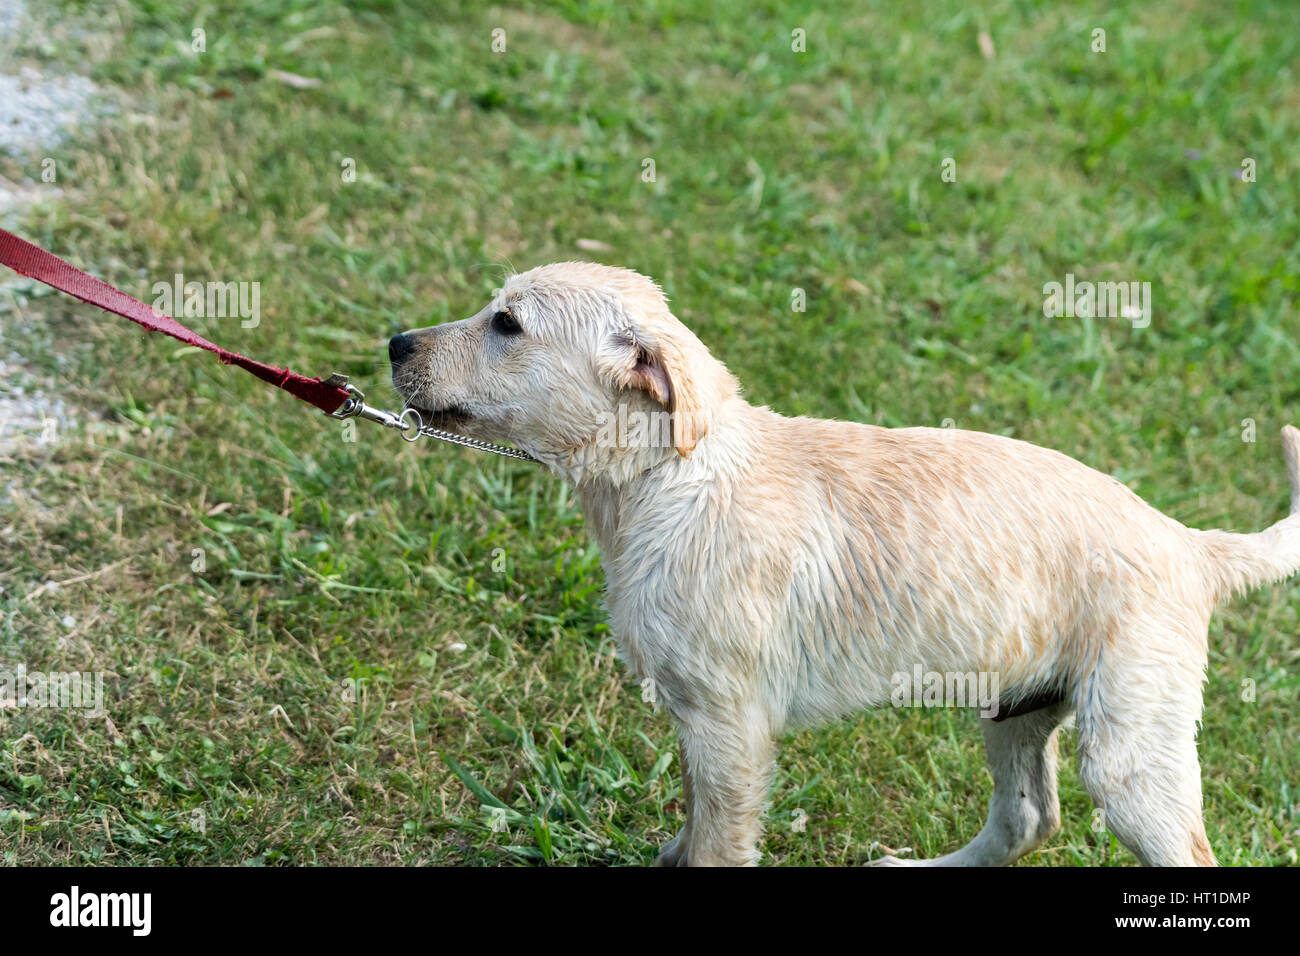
column 354, row 406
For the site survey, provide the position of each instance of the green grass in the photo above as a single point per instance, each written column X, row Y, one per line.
column 300, row 700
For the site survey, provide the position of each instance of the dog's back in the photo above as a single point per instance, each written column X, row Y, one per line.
column 959, row 550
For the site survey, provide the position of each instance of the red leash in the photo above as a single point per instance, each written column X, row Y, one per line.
column 33, row 261
column 333, row 396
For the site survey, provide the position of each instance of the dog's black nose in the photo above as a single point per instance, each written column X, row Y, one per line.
column 400, row 346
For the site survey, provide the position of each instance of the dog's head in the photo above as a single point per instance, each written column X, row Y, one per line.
column 560, row 362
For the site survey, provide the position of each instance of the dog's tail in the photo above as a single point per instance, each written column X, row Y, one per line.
column 1239, row 562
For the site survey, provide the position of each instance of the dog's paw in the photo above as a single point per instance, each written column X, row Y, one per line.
column 892, row 857
column 673, row 853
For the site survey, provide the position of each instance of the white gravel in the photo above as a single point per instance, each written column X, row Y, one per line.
column 12, row 13
column 37, row 112
column 28, row 414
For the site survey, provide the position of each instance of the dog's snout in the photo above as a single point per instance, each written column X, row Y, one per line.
column 400, row 346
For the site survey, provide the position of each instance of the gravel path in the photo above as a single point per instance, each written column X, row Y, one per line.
column 38, row 112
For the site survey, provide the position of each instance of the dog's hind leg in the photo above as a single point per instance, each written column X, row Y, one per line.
column 1137, row 760
column 1024, row 810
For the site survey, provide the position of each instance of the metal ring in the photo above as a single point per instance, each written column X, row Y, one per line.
column 418, row 424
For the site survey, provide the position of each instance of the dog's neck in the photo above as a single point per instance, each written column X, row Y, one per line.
column 625, row 448
column 648, row 478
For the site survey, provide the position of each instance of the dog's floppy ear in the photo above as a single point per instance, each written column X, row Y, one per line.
column 660, row 368
column 649, row 375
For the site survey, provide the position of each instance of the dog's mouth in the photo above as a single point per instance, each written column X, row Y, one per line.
column 447, row 418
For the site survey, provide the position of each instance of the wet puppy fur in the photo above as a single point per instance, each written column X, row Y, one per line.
column 767, row 573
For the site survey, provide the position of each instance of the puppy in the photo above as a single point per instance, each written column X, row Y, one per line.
column 768, row 573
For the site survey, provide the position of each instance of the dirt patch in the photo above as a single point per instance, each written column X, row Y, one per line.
column 39, row 111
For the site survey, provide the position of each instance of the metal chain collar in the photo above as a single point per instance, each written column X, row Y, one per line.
column 409, row 423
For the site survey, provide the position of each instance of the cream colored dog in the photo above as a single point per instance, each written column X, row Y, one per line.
column 767, row 573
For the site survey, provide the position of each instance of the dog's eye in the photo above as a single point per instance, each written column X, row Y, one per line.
column 506, row 324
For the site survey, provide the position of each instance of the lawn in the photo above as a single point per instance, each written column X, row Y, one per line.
column 325, row 646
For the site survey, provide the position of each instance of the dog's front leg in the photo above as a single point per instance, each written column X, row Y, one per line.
column 729, row 764
column 676, row 852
